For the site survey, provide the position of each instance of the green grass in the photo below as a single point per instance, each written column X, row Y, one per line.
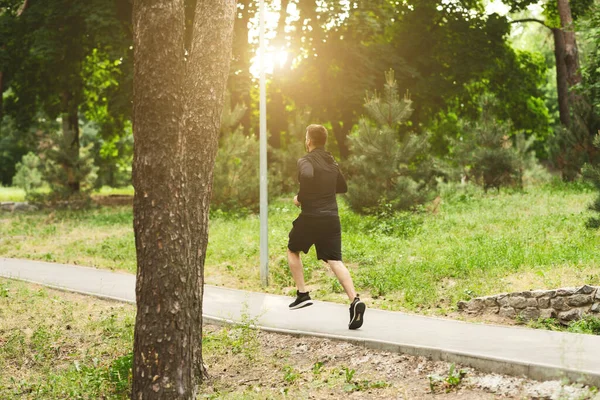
column 61, row 346
column 11, row 194
column 17, row 194
column 107, row 190
column 476, row 244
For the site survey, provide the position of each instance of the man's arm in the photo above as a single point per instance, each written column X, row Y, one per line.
column 341, row 186
column 306, row 173
column 305, row 170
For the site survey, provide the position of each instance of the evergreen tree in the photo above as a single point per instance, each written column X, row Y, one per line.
column 592, row 174
column 390, row 167
column 235, row 179
column 28, row 176
column 484, row 151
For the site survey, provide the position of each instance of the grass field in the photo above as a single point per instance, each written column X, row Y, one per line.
column 475, row 244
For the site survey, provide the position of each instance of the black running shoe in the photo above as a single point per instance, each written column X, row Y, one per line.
column 357, row 313
column 302, row 300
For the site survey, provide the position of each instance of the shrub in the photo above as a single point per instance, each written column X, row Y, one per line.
column 485, row 152
column 236, row 179
column 389, row 166
column 591, row 173
column 28, row 176
column 572, row 147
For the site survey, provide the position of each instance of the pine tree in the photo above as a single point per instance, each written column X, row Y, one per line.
column 28, row 176
column 235, row 177
column 591, row 173
column 61, row 165
column 485, row 151
column 390, row 167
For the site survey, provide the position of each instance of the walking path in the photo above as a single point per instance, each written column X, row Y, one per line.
column 537, row 354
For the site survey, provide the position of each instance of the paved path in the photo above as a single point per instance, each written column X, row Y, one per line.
column 537, row 354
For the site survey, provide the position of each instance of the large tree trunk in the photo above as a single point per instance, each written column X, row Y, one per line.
column 562, row 86
column 571, row 52
column 178, row 100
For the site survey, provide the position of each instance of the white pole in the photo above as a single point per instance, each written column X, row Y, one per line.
column 264, row 229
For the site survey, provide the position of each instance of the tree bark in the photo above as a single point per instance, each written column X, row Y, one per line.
column 562, row 86
column 178, row 100
column 70, row 129
column 571, row 52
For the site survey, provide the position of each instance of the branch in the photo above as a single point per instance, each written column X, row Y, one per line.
column 539, row 21
column 23, row 8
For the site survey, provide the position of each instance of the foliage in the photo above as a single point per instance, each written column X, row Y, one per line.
column 449, row 382
column 14, row 144
column 236, row 174
column 485, row 152
column 590, row 30
column 389, row 167
column 591, row 173
column 69, row 72
column 57, row 156
column 283, row 172
column 572, row 147
column 28, row 176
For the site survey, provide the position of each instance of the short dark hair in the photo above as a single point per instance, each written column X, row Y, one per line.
column 317, row 134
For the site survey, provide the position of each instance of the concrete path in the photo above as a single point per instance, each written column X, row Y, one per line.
column 537, row 354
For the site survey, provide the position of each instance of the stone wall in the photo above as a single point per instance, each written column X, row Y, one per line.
column 16, row 206
column 566, row 304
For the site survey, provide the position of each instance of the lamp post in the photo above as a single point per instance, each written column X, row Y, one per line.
column 264, row 230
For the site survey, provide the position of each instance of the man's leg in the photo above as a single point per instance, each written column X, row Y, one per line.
column 302, row 297
column 297, row 270
column 343, row 275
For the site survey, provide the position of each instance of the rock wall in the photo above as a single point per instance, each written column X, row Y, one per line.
column 566, row 304
column 16, row 206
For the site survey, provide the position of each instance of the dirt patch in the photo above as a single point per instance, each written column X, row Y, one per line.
column 314, row 368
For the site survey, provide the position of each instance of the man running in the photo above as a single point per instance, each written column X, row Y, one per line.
column 319, row 223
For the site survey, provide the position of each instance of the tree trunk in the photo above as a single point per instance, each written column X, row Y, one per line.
column 571, row 52
column 178, row 100
column 70, row 129
column 562, row 86
column 240, row 80
column 341, row 132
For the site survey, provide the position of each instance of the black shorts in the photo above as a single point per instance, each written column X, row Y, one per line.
column 324, row 232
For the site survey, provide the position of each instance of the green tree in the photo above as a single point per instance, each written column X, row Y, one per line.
column 28, row 176
column 389, row 166
column 484, row 151
column 64, row 71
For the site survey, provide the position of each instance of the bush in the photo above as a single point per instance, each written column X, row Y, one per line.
column 485, row 151
column 28, row 176
column 591, row 174
column 389, row 167
column 572, row 147
column 236, row 174
column 63, row 168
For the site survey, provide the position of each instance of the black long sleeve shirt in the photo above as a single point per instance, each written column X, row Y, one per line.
column 320, row 179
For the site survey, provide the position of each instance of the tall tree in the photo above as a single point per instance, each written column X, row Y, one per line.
column 45, row 61
column 180, row 75
column 559, row 18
